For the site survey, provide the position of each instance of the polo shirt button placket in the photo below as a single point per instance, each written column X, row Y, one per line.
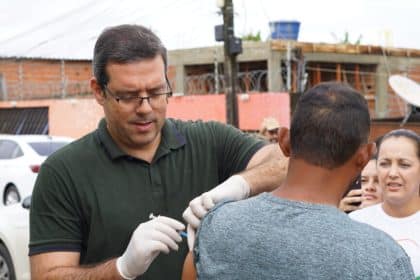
column 158, row 191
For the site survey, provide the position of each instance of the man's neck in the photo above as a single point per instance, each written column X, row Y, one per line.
column 310, row 183
column 146, row 153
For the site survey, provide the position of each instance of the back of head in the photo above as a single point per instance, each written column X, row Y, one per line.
column 330, row 123
column 124, row 44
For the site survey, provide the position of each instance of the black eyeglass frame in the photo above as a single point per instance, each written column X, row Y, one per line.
column 117, row 98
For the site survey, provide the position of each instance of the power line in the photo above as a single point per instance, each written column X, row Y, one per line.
column 47, row 23
column 71, row 29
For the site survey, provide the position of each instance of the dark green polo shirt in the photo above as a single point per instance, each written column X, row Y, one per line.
column 90, row 196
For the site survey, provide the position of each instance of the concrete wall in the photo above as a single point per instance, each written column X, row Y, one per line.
column 27, row 79
column 77, row 117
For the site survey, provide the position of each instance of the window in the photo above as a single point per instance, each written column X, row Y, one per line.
column 46, row 148
column 9, row 149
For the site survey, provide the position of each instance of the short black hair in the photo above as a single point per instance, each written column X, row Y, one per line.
column 330, row 123
column 123, row 44
column 409, row 134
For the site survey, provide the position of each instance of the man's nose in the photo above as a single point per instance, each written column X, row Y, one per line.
column 144, row 105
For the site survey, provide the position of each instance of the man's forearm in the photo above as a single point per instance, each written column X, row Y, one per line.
column 266, row 170
column 266, row 176
column 106, row 270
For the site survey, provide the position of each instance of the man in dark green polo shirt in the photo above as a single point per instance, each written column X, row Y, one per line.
column 91, row 205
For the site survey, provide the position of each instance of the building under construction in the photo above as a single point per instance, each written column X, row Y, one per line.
column 267, row 70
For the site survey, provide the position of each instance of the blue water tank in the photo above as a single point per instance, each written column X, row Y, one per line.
column 287, row 30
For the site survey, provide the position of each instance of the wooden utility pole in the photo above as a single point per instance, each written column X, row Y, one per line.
column 230, row 66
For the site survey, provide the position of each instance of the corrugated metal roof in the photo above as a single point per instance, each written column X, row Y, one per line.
column 40, row 29
column 72, row 34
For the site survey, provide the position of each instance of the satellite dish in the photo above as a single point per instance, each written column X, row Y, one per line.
column 408, row 90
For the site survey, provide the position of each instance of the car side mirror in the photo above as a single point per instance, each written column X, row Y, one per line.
column 26, row 203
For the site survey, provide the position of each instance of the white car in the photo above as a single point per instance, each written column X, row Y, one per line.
column 14, row 240
column 21, row 157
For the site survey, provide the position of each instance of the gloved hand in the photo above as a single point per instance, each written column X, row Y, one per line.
column 148, row 240
column 234, row 188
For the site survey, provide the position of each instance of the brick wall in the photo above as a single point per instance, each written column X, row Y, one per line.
column 381, row 128
column 35, row 78
column 39, row 79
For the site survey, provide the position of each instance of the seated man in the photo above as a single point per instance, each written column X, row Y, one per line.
column 297, row 231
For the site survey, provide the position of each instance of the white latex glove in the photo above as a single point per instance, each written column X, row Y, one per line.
column 234, row 188
column 148, row 240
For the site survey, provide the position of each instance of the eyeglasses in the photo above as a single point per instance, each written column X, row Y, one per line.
column 154, row 97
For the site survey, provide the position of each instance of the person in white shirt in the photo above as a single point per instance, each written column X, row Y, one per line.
column 369, row 193
column 398, row 168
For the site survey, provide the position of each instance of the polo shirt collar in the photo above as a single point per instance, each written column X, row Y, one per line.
column 171, row 136
column 172, row 139
column 107, row 142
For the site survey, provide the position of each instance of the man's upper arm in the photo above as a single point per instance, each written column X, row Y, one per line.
column 234, row 148
column 265, row 154
column 55, row 225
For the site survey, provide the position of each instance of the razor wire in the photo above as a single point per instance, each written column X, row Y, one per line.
column 250, row 81
column 208, row 83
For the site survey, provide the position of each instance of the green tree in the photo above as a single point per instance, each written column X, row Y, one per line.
column 252, row 37
column 346, row 39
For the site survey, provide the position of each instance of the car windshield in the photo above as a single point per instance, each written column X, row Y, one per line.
column 46, row 148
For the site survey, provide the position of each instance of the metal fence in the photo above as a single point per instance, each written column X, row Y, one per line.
column 209, row 83
column 251, row 81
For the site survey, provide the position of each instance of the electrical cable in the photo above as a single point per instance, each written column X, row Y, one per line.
column 47, row 23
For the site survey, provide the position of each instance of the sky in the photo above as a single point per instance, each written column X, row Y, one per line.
column 68, row 29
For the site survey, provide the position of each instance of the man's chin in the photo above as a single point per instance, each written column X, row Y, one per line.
column 141, row 140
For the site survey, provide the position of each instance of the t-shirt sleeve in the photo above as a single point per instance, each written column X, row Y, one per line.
column 55, row 224
column 401, row 269
column 209, row 250
column 235, row 148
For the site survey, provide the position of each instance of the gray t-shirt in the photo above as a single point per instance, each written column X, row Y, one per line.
column 266, row 237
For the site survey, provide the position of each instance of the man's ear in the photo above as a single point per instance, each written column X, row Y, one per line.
column 97, row 91
column 284, row 141
column 365, row 153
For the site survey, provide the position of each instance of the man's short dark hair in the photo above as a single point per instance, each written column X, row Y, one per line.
column 124, row 44
column 330, row 123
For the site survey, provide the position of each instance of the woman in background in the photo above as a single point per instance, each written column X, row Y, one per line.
column 398, row 168
column 369, row 194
